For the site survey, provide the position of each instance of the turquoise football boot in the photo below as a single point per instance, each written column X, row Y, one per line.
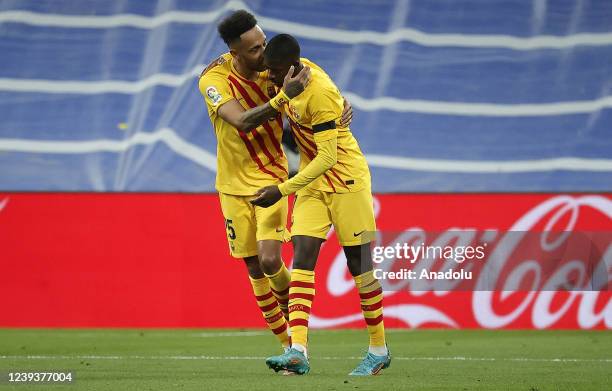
column 293, row 361
column 372, row 365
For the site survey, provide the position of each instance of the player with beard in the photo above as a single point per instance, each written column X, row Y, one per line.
column 245, row 110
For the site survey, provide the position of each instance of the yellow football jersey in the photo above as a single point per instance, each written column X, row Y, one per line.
column 321, row 103
column 247, row 161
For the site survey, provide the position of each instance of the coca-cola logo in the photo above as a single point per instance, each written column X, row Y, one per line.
column 415, row 303
column 542, row 316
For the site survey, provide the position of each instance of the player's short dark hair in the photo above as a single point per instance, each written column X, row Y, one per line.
column 233, row 26
column 283, row 47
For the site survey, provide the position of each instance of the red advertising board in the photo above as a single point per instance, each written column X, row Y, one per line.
column 161, row 260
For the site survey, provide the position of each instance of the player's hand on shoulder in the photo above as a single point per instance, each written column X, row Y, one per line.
column 347, row 114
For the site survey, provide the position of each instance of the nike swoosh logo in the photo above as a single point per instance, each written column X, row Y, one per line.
column 358, row 233
column 280, row 230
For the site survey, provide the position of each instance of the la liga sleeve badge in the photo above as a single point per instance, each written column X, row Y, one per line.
column 214, row 95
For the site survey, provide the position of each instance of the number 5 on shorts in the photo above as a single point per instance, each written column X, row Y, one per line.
column 231, row 233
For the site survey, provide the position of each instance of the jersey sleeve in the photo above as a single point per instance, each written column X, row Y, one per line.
column 325, row 107
column 327, row 145
column 216, row 90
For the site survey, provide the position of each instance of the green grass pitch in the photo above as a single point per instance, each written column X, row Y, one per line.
column 192, row 359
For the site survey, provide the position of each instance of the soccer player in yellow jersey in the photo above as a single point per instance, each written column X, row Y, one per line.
column 332, row 187
column 244, row 108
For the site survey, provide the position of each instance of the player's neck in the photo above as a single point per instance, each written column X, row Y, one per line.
column 244, row 71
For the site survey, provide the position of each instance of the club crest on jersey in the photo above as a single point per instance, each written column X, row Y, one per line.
column 294, row 111
column 213, row 95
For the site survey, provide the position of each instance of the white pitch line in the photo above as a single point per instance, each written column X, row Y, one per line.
column 156, row 334
column 234, row 334
column 314, row 32
column 211, row 358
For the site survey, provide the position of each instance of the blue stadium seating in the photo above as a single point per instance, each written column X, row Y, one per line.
column 449, row 96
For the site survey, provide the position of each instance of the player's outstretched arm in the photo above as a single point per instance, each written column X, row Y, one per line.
column 245, row 120
column 324, row 160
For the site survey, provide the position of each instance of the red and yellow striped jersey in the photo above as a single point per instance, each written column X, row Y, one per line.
column 320, row 103
column 246, row 161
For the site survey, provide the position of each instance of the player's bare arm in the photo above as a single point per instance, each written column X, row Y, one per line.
column 245, row 120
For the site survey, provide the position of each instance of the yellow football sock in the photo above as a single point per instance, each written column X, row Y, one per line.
column 301, row 294
column 270, row 309
column 371, row 295
column 279, row 283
